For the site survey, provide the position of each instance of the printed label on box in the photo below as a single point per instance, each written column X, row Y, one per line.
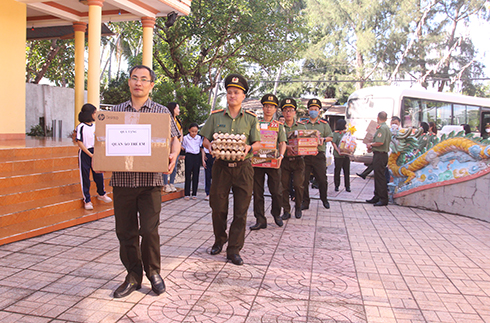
column 128, row 139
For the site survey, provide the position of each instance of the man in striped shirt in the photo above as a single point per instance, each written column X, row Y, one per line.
column 140, row 192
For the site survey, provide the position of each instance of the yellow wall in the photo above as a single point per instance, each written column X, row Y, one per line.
column 13, row 66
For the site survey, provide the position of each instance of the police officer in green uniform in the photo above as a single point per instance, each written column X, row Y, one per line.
column 269, row 103
column 317, row 164
column 380, row 147
column 237, row 175
column 291, row 166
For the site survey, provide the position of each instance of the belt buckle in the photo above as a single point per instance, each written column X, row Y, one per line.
column 232, row 164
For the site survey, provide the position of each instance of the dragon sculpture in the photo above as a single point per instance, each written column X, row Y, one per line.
column 447, row 159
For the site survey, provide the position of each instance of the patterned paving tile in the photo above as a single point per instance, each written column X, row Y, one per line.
column 280, row 310
column 31, row 279
column 44, row 304
column 352, row 263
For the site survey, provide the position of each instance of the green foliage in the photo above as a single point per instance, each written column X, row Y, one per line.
column 401, row 39
column 193, row 103
column 38, row 131
column 225, row 36
column 117, row 91
column 52, row 59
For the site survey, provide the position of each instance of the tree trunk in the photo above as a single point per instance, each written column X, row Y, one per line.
column 277, row 79
column 450, row 43
column 52, row 54
column 360, row 65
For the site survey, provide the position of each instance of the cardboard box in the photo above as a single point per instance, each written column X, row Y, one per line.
column 303, row 151
column 304, row 142
column 268, row 136
column 132, row 142
column 265, row 162
column 266, row 156
column 370, row 130
column 307, row 133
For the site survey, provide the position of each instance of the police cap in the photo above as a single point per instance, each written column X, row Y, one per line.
column 314, row 103
column 270, row 99
column 288, row 103
column 236, row 80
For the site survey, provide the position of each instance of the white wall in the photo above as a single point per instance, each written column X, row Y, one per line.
column 469, row 198
column 53, row 103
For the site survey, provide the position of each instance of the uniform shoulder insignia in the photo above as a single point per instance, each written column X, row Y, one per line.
column 301, row 122
column 250, row 112
column 216, row 111
column 323, row 121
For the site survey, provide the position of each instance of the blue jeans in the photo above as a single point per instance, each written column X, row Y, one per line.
column 172, row 176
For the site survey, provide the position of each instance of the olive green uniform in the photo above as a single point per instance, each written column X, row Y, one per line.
column 317, row 164
column 236, row 175
column 380, row 160
column 292, row 166
column 273, row 182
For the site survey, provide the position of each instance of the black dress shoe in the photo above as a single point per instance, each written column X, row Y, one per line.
column 125, row 289
column 235, row 259
column 286, row 215
column 379, row 203
column 326, row 205
column 278, row 221
column 216, row 249
column 258, row 226
column 305, row 207
column 157, row 284
column 373, row 200
column 336, row 189
column 298, row 214
column 347, row 189
column 361, row 176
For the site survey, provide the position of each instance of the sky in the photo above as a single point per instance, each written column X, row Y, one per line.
column 480, row 34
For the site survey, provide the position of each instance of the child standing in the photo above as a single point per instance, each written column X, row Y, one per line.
column 342, row 162
column 85, row 140
column 192, row 144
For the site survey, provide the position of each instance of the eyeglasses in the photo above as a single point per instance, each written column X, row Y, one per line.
column 142, row 80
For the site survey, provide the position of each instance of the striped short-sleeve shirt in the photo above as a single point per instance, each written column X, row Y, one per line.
column 142, row 179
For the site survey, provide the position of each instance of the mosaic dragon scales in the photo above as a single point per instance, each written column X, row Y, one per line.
column 406, row 158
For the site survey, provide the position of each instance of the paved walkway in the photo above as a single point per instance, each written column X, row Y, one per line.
column 352, row 263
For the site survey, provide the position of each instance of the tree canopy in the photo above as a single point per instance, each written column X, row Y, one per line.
column 325, row 48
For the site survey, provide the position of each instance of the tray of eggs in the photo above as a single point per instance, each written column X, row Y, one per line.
column 228, row 146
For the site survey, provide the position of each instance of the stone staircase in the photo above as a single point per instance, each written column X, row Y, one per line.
column 40, row 192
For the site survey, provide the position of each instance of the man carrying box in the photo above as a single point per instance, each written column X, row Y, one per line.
column 292, row 165
column 236, row 175
column 140, row 192
column 318, row 163
column 269, row 102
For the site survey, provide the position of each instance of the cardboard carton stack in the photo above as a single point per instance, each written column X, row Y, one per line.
column 267, row 155
column 303, row 142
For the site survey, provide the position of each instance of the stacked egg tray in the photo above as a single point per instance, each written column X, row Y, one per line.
column 228, row 146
